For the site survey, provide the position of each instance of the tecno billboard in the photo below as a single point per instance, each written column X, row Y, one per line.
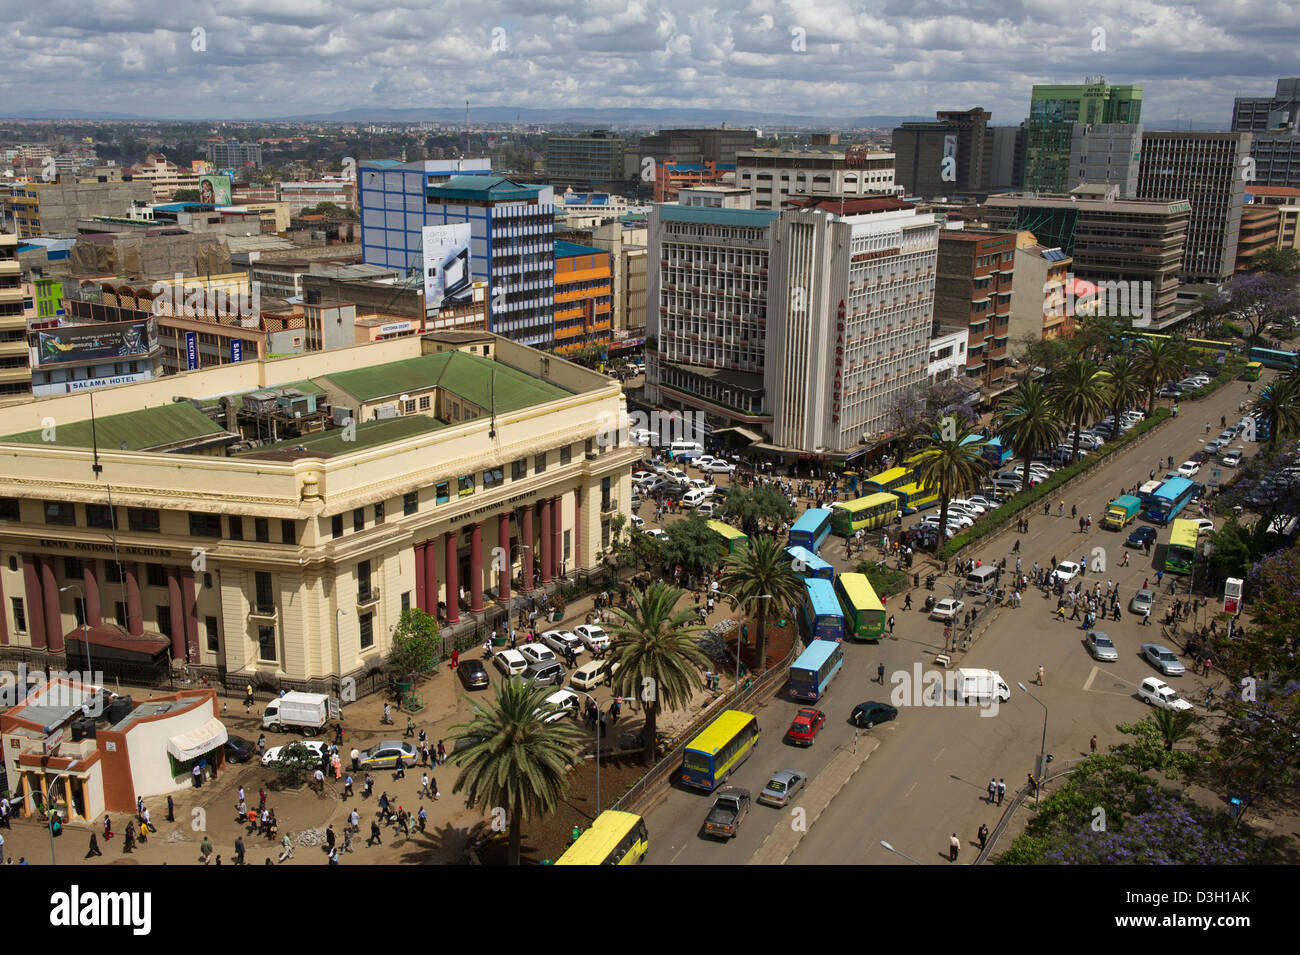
column 447, row 276
column 107, row 341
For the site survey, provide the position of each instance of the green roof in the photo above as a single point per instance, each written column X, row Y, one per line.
column 468, row 376
column 131, row 431
column 369, row 434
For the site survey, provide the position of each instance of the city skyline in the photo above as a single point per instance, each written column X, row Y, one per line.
column 831, row 61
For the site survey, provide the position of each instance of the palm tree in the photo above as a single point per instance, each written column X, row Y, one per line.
column 1027, row 423
column 1079, row 391
column 655, row 652
column 1157, row 362
column 952, row 467
column 1125, row 381
column 1175, row 726
column 1279, row 405
column 762, row 573
column 514, row 761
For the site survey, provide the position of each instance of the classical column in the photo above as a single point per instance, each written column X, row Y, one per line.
column 547, row 555
column 476, row 568
column 503, row 571
column 431, row 577
column 53, row 618
column 35, row 605
column 190, row 606
column 453, row 580
column 176, row 611
column 134, row 614
column 577, row 527
column 90, row 587
column 419, row 578
column 526, row 538
column 4, row 616
column 557, row 535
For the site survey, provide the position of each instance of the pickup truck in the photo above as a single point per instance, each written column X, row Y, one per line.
column 729, row 807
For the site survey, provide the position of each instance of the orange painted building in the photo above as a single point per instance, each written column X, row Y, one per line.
column 584, row 283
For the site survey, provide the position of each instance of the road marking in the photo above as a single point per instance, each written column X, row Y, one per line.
column 1087, row 685
column 909, row 791
column 937, row 755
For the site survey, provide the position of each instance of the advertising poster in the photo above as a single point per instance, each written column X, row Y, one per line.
column 96, row 342
column 214, row 190
column 447, row 276
column 191, row 350
column 236, row 349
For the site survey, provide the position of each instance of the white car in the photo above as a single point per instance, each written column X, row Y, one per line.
column 594, row 637
column 987, row 503
column 718, row 466
column 1231, row 458
column 676, row 474
column 700, row 484
column 562, row 641
column 315, row 746
column 560, row 704
column 966, row 505
column 958, row 522
column 637, row 523
column 536, row 653
column 1188, row 469
column 1065, row 571
column 657, row 534
column 510, row 662
column 702, row 462
column 946, row 609
column 708, row 509
column 590, row 674
column 642, row 477
column 1204, row 523
column 1161, row 694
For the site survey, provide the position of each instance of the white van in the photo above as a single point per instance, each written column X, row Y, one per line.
column 686, row 449
column 694, row 497
column 981, row 578
column 979, row 684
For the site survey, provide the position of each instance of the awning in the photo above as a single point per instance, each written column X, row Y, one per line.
column 746, row 433
column 196, row 742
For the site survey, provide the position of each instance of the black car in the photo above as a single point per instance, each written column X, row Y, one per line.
column 238, row 749
column 867, row 715
column 1198, row 490
column 473, row 674
column 1141, row 536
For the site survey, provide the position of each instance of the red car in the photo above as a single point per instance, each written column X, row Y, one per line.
column 807, row 723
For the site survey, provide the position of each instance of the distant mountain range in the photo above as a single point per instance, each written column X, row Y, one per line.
column 593, row 118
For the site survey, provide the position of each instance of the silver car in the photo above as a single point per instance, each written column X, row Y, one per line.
column 780, row 789
column 1102, row 647
column 1142, row 601
column 1163, row 659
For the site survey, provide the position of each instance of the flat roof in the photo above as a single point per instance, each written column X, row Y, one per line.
column 468, row 376
column 565, row 249
column 131, row 431
column 752, row 218
column 483, row 188
column 369, row 434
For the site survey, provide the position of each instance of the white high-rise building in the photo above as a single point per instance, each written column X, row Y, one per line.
column 775, row 175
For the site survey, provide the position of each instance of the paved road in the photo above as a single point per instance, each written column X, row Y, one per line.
column 928, row 777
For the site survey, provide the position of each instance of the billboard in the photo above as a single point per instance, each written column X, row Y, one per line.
column 447, row 275
column 236, row 349
column 214, row 190
column 100, row 341
column 191, row 350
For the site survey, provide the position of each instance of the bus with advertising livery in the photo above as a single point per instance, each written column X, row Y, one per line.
column 1180, row 553
column 821, row 614
column 733, row 538
column 1274, row 358
column 888, row 480
column 865, row 513
column 1253, row 370
column 811, row 529
column 864, row 613
column 1169, row 499
column 808, row 564
column 718, row 750
column 812, row 673
column 914, row 497
column 615, row 838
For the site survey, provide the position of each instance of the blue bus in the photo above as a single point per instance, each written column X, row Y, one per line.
column 1170, row 498
column 812, row 673
column 995, row 454
column 808, row 564
column 822, row 615
column 811, row 529
column 1272, row 358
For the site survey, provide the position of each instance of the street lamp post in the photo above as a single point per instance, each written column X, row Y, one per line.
column 1042, row 753
column 85, row 628
column 897, row 853
column 339, row 614
column 596, row 734
column 741, row 603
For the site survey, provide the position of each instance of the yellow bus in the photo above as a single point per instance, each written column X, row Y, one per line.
column 1253, row 370
column 887, row 480
column 874, row 510
column 615, row 838
column 733, row 538
column 864, row 614
column 913, row 497
column 1180, row 553
column 716, row 753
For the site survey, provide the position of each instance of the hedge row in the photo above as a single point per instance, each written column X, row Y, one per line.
column 885, row 581
column 1231, row 370
column 994, row 519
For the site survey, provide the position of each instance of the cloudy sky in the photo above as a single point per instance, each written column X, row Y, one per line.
column 821, row 58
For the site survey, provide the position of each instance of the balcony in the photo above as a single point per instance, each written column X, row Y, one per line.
column 263, row 612
column 366, row 596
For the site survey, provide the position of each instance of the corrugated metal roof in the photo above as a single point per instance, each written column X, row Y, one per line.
column 750, row 218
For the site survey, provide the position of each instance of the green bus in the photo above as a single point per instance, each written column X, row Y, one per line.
column 1253, row 370
column 733, row 538
column 874, row 510
column 864, row 614
column 1180, row 553
column 716, row 753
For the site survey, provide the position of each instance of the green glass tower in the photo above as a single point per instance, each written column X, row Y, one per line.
column 1053, row 112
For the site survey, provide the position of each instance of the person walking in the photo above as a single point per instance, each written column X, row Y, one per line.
column 94, row 846
column 347, row 787
column 983, row 835
column 1002, row 790
column 1146, row 617
column 423, row 817
column 401, row 769
column 1040, row 674
column 424, row 785
column 907, row 602
column 205, row 850
column 239, row 850
column 1092, row 745
column 442, row 753
column 286, row 847
column 993, row 791
column 880, row 673
column 891, row 624
column 954, row 846
column 374, row 834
